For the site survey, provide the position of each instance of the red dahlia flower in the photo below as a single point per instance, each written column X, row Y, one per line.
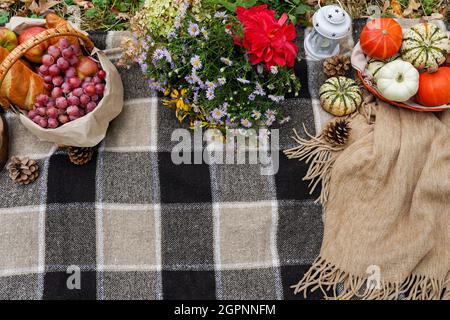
column 267, row 39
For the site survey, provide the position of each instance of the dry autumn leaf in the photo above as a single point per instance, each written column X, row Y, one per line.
column 5, row 4
column 123, row 16
column 413, row 5
column 40, row 6
column 396, row 7
column 83, row 4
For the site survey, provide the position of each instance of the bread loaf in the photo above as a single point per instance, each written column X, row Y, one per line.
column 21, row 85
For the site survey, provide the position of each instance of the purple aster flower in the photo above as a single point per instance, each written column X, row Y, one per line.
column 243, row 81
column 256, row 114
column 251, row 97
column 195, row 98
column 270, row 121
column 160, row 54
column 196, row 62
column 259, row 90
column 154, row 85
column 220, row 14
column 205, row 33
column 144, row 67
column 225, row 106
column 193, row 29
column 190, row 79
column 226, row 61
column 210, row 94
column 221, row 81
column 210, row 85
column 217, row 114
column 246, row 123
column 270, row 114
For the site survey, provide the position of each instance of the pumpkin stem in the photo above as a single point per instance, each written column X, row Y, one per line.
column 433, row 69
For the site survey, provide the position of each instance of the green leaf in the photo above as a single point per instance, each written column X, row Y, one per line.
column 302, row 9
column 228, row 5
column 4, row 17
column 247, row 3
column 100, row 3
column 293, row 18
column 123, row 6
column 91, row 13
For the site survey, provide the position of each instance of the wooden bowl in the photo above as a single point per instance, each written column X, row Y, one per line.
column 416, row 107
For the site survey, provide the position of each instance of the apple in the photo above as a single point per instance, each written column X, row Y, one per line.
column 34, row 54
column 8, row 39
column 86, row 67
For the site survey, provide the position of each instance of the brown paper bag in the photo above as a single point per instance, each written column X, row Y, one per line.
column 90, row 129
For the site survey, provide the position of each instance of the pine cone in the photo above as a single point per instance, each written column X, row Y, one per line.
column 23, row 170
column 336, row 65
column 80, row 155
column 337, row 132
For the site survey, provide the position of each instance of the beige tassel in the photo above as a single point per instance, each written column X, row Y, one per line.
column 325, row 276
column 320, row 156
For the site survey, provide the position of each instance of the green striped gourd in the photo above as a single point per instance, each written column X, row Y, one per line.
column 374, row 65
column 340, row 96
column 425, row 46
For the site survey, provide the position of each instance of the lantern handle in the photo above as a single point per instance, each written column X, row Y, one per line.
column 340, row 4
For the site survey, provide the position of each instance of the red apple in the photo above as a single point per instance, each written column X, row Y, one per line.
column 34, row 54
column 86, row 67
column 8, row 39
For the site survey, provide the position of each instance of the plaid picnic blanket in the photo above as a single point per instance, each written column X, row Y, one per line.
column 137, row 226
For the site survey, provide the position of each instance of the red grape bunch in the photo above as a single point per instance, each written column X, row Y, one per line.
column 75, row 82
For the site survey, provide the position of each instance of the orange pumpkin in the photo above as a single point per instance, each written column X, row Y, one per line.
column 434, row 88
column 381, row 38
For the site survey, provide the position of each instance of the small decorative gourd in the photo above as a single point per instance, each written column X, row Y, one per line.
column 340, row 96
column 381, row 38
column 425, row 46
column 374, row 65
column 398, row 81
column 434, row 88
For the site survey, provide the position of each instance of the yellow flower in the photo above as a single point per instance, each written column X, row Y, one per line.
column 177, row 101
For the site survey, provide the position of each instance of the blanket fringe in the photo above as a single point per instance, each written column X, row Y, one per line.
column 343, row 286
column 320, row 156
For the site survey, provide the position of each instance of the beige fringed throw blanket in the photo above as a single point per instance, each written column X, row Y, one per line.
column 386, row 197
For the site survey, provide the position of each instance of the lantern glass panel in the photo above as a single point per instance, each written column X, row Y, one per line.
column 322, row 45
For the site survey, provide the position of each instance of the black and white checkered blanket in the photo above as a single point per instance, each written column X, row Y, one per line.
column 137, row 226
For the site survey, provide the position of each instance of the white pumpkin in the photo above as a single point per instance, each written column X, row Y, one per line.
column 398, row 81
column 374, row 65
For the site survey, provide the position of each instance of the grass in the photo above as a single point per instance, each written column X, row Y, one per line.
column 360, row 8
column 93, row 15
column 115, row 14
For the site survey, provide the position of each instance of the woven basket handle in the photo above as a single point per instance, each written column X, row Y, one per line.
column 60, row 31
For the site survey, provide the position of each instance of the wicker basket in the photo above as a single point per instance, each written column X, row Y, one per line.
column 20, row 50
column 89, row 130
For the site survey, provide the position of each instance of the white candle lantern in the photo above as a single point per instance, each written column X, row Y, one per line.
column 330, row 23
